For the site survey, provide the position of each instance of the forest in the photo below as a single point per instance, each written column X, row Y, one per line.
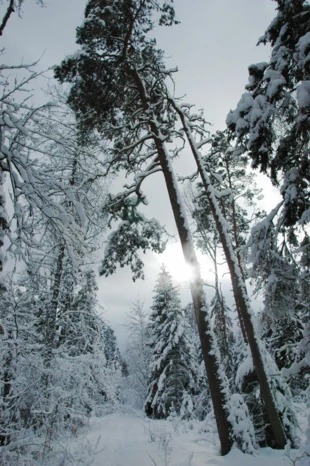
column 216, row 380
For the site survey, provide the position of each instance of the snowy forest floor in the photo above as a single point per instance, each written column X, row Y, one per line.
column 130, row 439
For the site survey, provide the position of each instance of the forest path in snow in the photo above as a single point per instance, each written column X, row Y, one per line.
column 133, row 440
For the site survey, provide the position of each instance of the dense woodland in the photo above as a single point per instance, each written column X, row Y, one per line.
column 115, row 112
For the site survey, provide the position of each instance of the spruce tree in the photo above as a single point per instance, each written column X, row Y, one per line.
column 222, row 324
column 271, row 121
column 172, row 364
column 111, row 349
column 282, row 337
column 279, row 268
column 201, row 395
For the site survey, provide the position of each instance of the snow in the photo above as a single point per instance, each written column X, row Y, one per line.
column 305, row 216
column 245, row 103
column 303, row 94
column 303, row 47
column 130, row 439
column 242, row 425
column 244, row 369
column 276, row 81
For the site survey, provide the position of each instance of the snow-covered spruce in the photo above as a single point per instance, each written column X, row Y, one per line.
column 277, row 95
column 172, row 374
column 242, row 424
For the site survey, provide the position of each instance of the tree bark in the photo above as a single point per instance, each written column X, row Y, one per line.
column 239, row 290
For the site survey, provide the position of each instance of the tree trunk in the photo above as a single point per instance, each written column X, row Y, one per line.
column 51, row 318
column 6, row 17
column 239, row 290
column 3, row 217
column 222, row 308
column 216, row 382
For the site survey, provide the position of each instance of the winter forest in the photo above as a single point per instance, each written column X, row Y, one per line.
column 212, row 367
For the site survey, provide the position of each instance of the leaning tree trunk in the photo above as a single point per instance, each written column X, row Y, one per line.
column 215, row 379
column 239, row 288
column 6, row 17
column 221, row 312
column 218, row 387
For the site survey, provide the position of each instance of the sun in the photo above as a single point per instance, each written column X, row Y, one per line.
column 174, row 261
column 181, row 272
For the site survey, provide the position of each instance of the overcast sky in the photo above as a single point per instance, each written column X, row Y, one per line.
column 212, row 48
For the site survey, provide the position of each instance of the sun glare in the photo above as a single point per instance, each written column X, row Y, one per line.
column 173, row 259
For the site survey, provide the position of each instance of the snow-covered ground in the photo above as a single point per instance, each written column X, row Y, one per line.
column 124, row 439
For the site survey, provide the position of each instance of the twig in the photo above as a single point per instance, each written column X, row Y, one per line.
column 153, row 461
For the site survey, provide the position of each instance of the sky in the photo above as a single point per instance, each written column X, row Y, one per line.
column 212, row 47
